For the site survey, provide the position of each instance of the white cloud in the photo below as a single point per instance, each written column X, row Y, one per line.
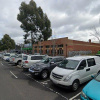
column 73, row 19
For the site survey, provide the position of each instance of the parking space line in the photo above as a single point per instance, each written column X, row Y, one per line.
column 2, row 64
column 45, row 81
column 13, row 74
column 75, row 96
column 47, row 87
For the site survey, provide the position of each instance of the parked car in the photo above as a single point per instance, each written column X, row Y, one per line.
column 74, row 71
column 92, row 90
column 12, row 58
column 1, row 54
column 18, row 59
column 5, row 56
column 98, row 55
column 45, row 66
column 31, row 59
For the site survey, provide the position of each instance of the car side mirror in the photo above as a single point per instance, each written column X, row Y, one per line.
column 92, row 76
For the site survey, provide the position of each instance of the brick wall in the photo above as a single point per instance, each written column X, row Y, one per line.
column 68, row 45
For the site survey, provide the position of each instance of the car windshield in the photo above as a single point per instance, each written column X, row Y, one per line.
column 13, row 56
column 46, row 60
column 7, row 55
column 68, row 64
column 97, row 78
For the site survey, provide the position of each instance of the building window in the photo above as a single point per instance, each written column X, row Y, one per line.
column 41, row 51
column 53, row 51
column 53, row 46
column 40, row 46
column 61, row 45
column 47, row 46
column 35, row 46
column 35, row 51
column 60, row 51
column 47, row 51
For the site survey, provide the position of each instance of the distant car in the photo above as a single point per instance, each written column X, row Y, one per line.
column 98, row 55
column 12, row 58
column 92, row 90
column 18, row 59
column 31, row 59
column 45, row 66
column 5, row 56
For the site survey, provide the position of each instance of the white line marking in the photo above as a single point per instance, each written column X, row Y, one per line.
column 47, row 87
column 75, row 96
column 1, row 63
column 45, row 81
column 13, row 74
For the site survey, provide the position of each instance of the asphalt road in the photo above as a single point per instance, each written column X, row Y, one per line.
column 15, row 84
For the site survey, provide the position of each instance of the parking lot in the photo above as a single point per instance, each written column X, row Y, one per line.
column 24, row 85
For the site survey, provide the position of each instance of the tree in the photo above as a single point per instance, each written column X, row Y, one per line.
column 96, row 32
column 7, row 43
column 34, row 21
column 25, row 38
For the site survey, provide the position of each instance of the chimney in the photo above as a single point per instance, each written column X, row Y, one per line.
column 89, row 40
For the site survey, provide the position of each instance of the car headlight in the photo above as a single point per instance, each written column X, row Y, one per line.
column 67, row 78
column 83, row 95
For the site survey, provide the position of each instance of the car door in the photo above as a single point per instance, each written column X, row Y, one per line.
column 91, row 67
column 82, row 73
column 53, row 63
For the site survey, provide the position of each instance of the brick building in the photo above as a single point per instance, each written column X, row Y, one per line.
column 66, row 47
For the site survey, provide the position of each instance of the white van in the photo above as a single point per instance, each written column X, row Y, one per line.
column 75, row 70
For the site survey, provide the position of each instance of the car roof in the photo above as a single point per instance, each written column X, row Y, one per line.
column 56, row 57
column 79, row 58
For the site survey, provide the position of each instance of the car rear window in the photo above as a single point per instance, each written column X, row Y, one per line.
column 91, row 62
column 37, row 57
column 7, row 55
column 25, row 57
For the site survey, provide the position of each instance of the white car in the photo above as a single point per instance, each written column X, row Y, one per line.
column 75, row 70
column 6, row 56
column 18, row 59
column 31, row 59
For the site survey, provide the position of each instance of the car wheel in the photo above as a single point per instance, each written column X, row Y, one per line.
column 75, row 85
column 19, row 63
column 44, row 74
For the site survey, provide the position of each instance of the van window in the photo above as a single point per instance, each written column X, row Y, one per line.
column 91, row 62
column 7, row 55
column 82, row 64
column 37, row 57
column 25, row 57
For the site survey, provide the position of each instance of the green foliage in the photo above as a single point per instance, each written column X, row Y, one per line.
column 7, row 43
column 25, row 38
column 34, row 21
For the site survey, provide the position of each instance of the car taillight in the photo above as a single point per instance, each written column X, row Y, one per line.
column 26, row 61
column 13, row 59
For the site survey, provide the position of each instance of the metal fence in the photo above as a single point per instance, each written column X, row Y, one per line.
column 75, row 53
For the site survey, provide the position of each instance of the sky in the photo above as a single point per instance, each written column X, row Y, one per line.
column 74, row 19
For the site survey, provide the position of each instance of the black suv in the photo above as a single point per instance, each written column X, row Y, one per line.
column 45, row 66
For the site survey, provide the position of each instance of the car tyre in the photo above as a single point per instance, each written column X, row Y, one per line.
column 44, row 74
column 75, row 85
column 19, row 63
